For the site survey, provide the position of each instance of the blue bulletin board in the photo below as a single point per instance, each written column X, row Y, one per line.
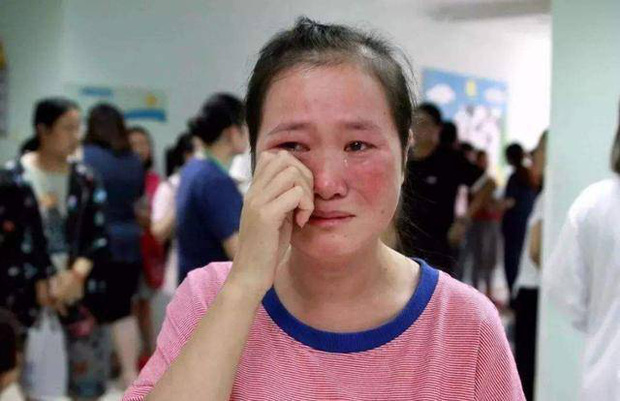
column 477, row 106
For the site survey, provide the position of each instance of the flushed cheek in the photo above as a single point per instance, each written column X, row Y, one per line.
column 375, row 179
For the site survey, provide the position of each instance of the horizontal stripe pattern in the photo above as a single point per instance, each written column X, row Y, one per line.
column 455, row 350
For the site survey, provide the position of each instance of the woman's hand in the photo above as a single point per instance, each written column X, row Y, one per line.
column 281, row 195
column 67, row 288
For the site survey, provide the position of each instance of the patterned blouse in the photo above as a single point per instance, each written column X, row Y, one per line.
column 24, row 259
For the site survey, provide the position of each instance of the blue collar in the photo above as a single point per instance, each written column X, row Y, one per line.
column 358, row 341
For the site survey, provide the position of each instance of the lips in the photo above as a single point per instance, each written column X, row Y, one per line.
column 323, row 214
column 327, row 219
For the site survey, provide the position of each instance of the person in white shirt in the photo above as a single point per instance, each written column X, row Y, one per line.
column 582, row 279
column 163, row 207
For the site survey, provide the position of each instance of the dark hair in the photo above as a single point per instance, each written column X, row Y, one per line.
column 175, row 155
column 29, row 145
column 309, row 43
column 220, row 111
column 432, row 111
column 106, row 128
column 449, row 134
column 148, row 163
column 615, row 150
column 46, row 112
column 514, row 154
column 10, row 341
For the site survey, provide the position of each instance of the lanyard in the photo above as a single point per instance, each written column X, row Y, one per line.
column 219, row 164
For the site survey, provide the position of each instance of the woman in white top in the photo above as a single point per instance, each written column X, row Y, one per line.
column 162, row 211
column 582, row 278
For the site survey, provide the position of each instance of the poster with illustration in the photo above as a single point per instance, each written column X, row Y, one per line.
column 477, row 106
column 138, row 105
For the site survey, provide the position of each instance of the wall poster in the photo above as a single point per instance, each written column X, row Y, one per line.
column 137, row 104
column 477, row 106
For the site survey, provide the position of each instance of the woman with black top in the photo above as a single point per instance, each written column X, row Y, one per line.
column 52, row 234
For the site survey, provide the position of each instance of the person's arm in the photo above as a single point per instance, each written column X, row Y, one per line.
column 163, row 229
column 281, row 195
column 566, row 280
column 230, row 245
column 535, row 245
column 38, row 257
column 163, row 212
column 497, row 377
column 481, row 196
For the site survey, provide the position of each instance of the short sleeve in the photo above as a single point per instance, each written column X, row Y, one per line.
column 565, row 277
column 163, row 201
column 183, row 314
column 220, row 203
column 497, row 377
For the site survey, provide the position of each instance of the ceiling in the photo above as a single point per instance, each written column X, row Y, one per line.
column 530, row 18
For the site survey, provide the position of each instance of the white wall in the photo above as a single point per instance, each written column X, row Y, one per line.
column 191, row 48
column 31, row 31
column 585, row 96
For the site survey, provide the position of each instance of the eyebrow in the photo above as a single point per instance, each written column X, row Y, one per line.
column 289, row 126
column 356, row 125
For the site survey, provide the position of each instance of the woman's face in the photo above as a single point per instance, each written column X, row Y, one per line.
column 62, row 138
column 336, row 120
column 140, row 145
column 426, row 131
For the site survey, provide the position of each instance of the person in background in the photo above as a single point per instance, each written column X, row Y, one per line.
column 526, row 287
column 241, row 171
column 468, row 151
column 521, row 192
column 435, row 174
column 61, row 204
column 449, row 137
column 581, row 279
column 483, row 237
column 314, row 305
column 152, row 251
column 208, row 201
column 164, row 208
column 10, row 351
column 107, row 150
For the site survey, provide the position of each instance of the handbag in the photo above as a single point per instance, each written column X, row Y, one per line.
column 45, row 371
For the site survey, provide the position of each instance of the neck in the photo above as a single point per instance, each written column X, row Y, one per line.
column 341, row 280
column 221, row 153
column 50, row 163
column 422, row 150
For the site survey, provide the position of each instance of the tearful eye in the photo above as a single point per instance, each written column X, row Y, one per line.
column 292, row 146
column 357, row 146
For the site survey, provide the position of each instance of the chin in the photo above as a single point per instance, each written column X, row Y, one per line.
column 321, row 245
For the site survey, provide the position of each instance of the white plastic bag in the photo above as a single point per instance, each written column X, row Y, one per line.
column 45, row 372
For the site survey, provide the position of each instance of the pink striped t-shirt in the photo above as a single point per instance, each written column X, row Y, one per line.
column 446, row 344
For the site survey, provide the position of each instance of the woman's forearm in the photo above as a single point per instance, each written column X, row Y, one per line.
column 206, row 367
column 162, row 229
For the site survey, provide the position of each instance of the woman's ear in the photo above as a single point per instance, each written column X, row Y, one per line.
column 227, row 135
column 408, row 147
column 41, row 129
